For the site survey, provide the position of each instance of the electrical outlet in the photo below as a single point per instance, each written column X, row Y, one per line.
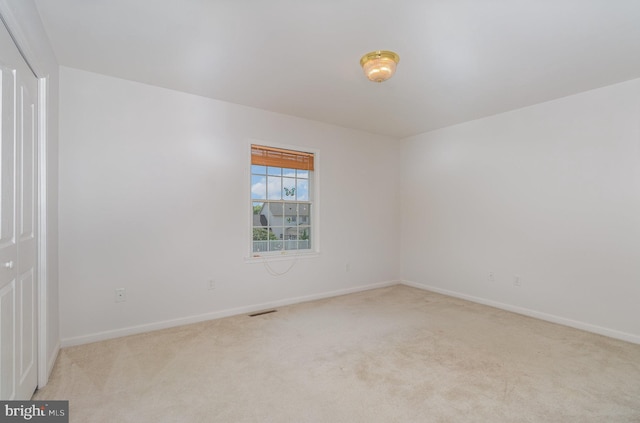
column 491, row 277
column 212, row 285
column 517, row 281
column 121, row 295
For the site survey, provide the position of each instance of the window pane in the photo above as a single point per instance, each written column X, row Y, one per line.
column 276, row 220
column 258, row 187
column 290, row 214
column 304, row 238
column 303, row 174
column 274, row 189
column 291, row 244
column 259, row 219
column 276, row 245
column 302, row 190
column 260, row 234
column 273, row 213
column 289, row 173
column 304, row 214
column 259, row 170
column 291, row 233
column 276, row 233
column 260, row 239
column 291, row 238
column 276, row 171
column 260, row 246
column 289, row 188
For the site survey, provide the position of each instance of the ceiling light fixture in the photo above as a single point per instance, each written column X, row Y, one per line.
column 379, row 65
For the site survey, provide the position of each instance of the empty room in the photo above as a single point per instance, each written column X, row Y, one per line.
column 304, row 211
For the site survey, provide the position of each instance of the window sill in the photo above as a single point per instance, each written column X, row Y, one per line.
column 280, row 257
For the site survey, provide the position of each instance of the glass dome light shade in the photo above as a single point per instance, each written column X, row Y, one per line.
column 379, row 66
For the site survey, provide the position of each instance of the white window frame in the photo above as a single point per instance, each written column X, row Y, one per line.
column 314, row 200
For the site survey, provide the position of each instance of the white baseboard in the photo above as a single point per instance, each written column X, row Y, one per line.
column 132, row 330
column 611, row 333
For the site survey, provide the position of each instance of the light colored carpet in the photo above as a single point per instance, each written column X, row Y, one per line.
column 396, row 354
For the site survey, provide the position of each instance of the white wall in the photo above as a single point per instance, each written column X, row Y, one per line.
column 154, row 198
column 25, row 25
column 550, row 193
column 153, row 195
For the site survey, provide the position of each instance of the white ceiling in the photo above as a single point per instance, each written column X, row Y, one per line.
column 459, row 59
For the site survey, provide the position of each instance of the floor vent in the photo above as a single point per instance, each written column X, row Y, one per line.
column 262, row 312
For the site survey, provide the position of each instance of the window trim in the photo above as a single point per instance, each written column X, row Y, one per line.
column 314, row 200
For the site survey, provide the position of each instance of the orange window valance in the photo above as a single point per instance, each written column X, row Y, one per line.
column 278, row 157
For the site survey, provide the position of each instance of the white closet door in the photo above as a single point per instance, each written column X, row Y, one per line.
column 18, row 230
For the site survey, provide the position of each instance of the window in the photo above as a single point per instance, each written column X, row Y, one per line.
column 281, row 200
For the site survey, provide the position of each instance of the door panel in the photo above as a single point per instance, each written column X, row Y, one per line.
column 26, row 365
column 26, row 324
column 7, row 166
column 27, row 142
column 18, row 229
column 7, row 345
column 8, row 246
